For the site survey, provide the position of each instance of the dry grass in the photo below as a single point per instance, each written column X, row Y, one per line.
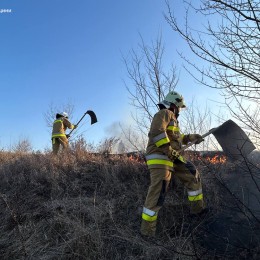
column 87, row 206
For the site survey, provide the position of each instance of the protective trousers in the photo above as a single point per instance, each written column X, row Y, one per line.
column 160, row 179
column 158, row 188
column 57, row 142
column 190, row 177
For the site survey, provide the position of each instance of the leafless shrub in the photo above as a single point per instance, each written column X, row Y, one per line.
column 22, row 146
column 50, row 114
column 108, row 145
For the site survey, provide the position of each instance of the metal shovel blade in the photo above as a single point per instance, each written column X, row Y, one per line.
column 233, row 140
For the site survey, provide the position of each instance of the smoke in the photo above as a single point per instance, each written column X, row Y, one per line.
column 114, row 130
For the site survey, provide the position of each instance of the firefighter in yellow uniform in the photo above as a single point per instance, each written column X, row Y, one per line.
column 59, row 137
column 163, row 160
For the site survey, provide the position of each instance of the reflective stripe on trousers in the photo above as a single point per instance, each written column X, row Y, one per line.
column 195, row 195
column 149, row 215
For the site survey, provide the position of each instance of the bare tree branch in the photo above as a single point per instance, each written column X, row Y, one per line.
column 231, row 47
column 149, row 82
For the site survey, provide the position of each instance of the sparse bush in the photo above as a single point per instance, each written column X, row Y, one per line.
column 22, row 146
column 107, row 146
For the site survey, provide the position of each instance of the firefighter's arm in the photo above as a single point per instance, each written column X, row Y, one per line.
column 191, row 138
column 197, row 138
column 159, row 131
column 68, row 124
column 161, row 137
column 163, row 143
column 185, row 139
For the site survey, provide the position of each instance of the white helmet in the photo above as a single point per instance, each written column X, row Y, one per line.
column 175, row 98
column 64, row 114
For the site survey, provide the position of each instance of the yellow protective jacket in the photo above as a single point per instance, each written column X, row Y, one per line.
column 164, row 132
column 59, row 127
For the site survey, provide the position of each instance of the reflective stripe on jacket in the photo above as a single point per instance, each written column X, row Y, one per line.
column 164, row 132
column 159, row 161
column 59, row 127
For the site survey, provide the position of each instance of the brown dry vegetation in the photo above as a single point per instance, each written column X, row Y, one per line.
column 88, row 206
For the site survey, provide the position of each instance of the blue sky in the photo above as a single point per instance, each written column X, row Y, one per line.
column 60, row 51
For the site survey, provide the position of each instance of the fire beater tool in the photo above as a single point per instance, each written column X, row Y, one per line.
column 233, row 140
column 93, row 118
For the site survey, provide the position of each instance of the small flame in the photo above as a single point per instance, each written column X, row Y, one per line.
column 136, row 158
column 216, row 159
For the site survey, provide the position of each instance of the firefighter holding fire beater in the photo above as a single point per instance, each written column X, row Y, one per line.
column 163, row 160
column 59, row 137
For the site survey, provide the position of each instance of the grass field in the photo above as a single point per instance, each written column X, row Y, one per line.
column 88, row 206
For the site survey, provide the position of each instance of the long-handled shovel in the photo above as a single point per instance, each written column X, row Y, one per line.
column 233, row 140
column 92, row 116
column 192, row 143
column 203, row 136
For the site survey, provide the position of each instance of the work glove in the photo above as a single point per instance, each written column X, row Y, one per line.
column 68, row 136
column 173, row 154
column 193, row 137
